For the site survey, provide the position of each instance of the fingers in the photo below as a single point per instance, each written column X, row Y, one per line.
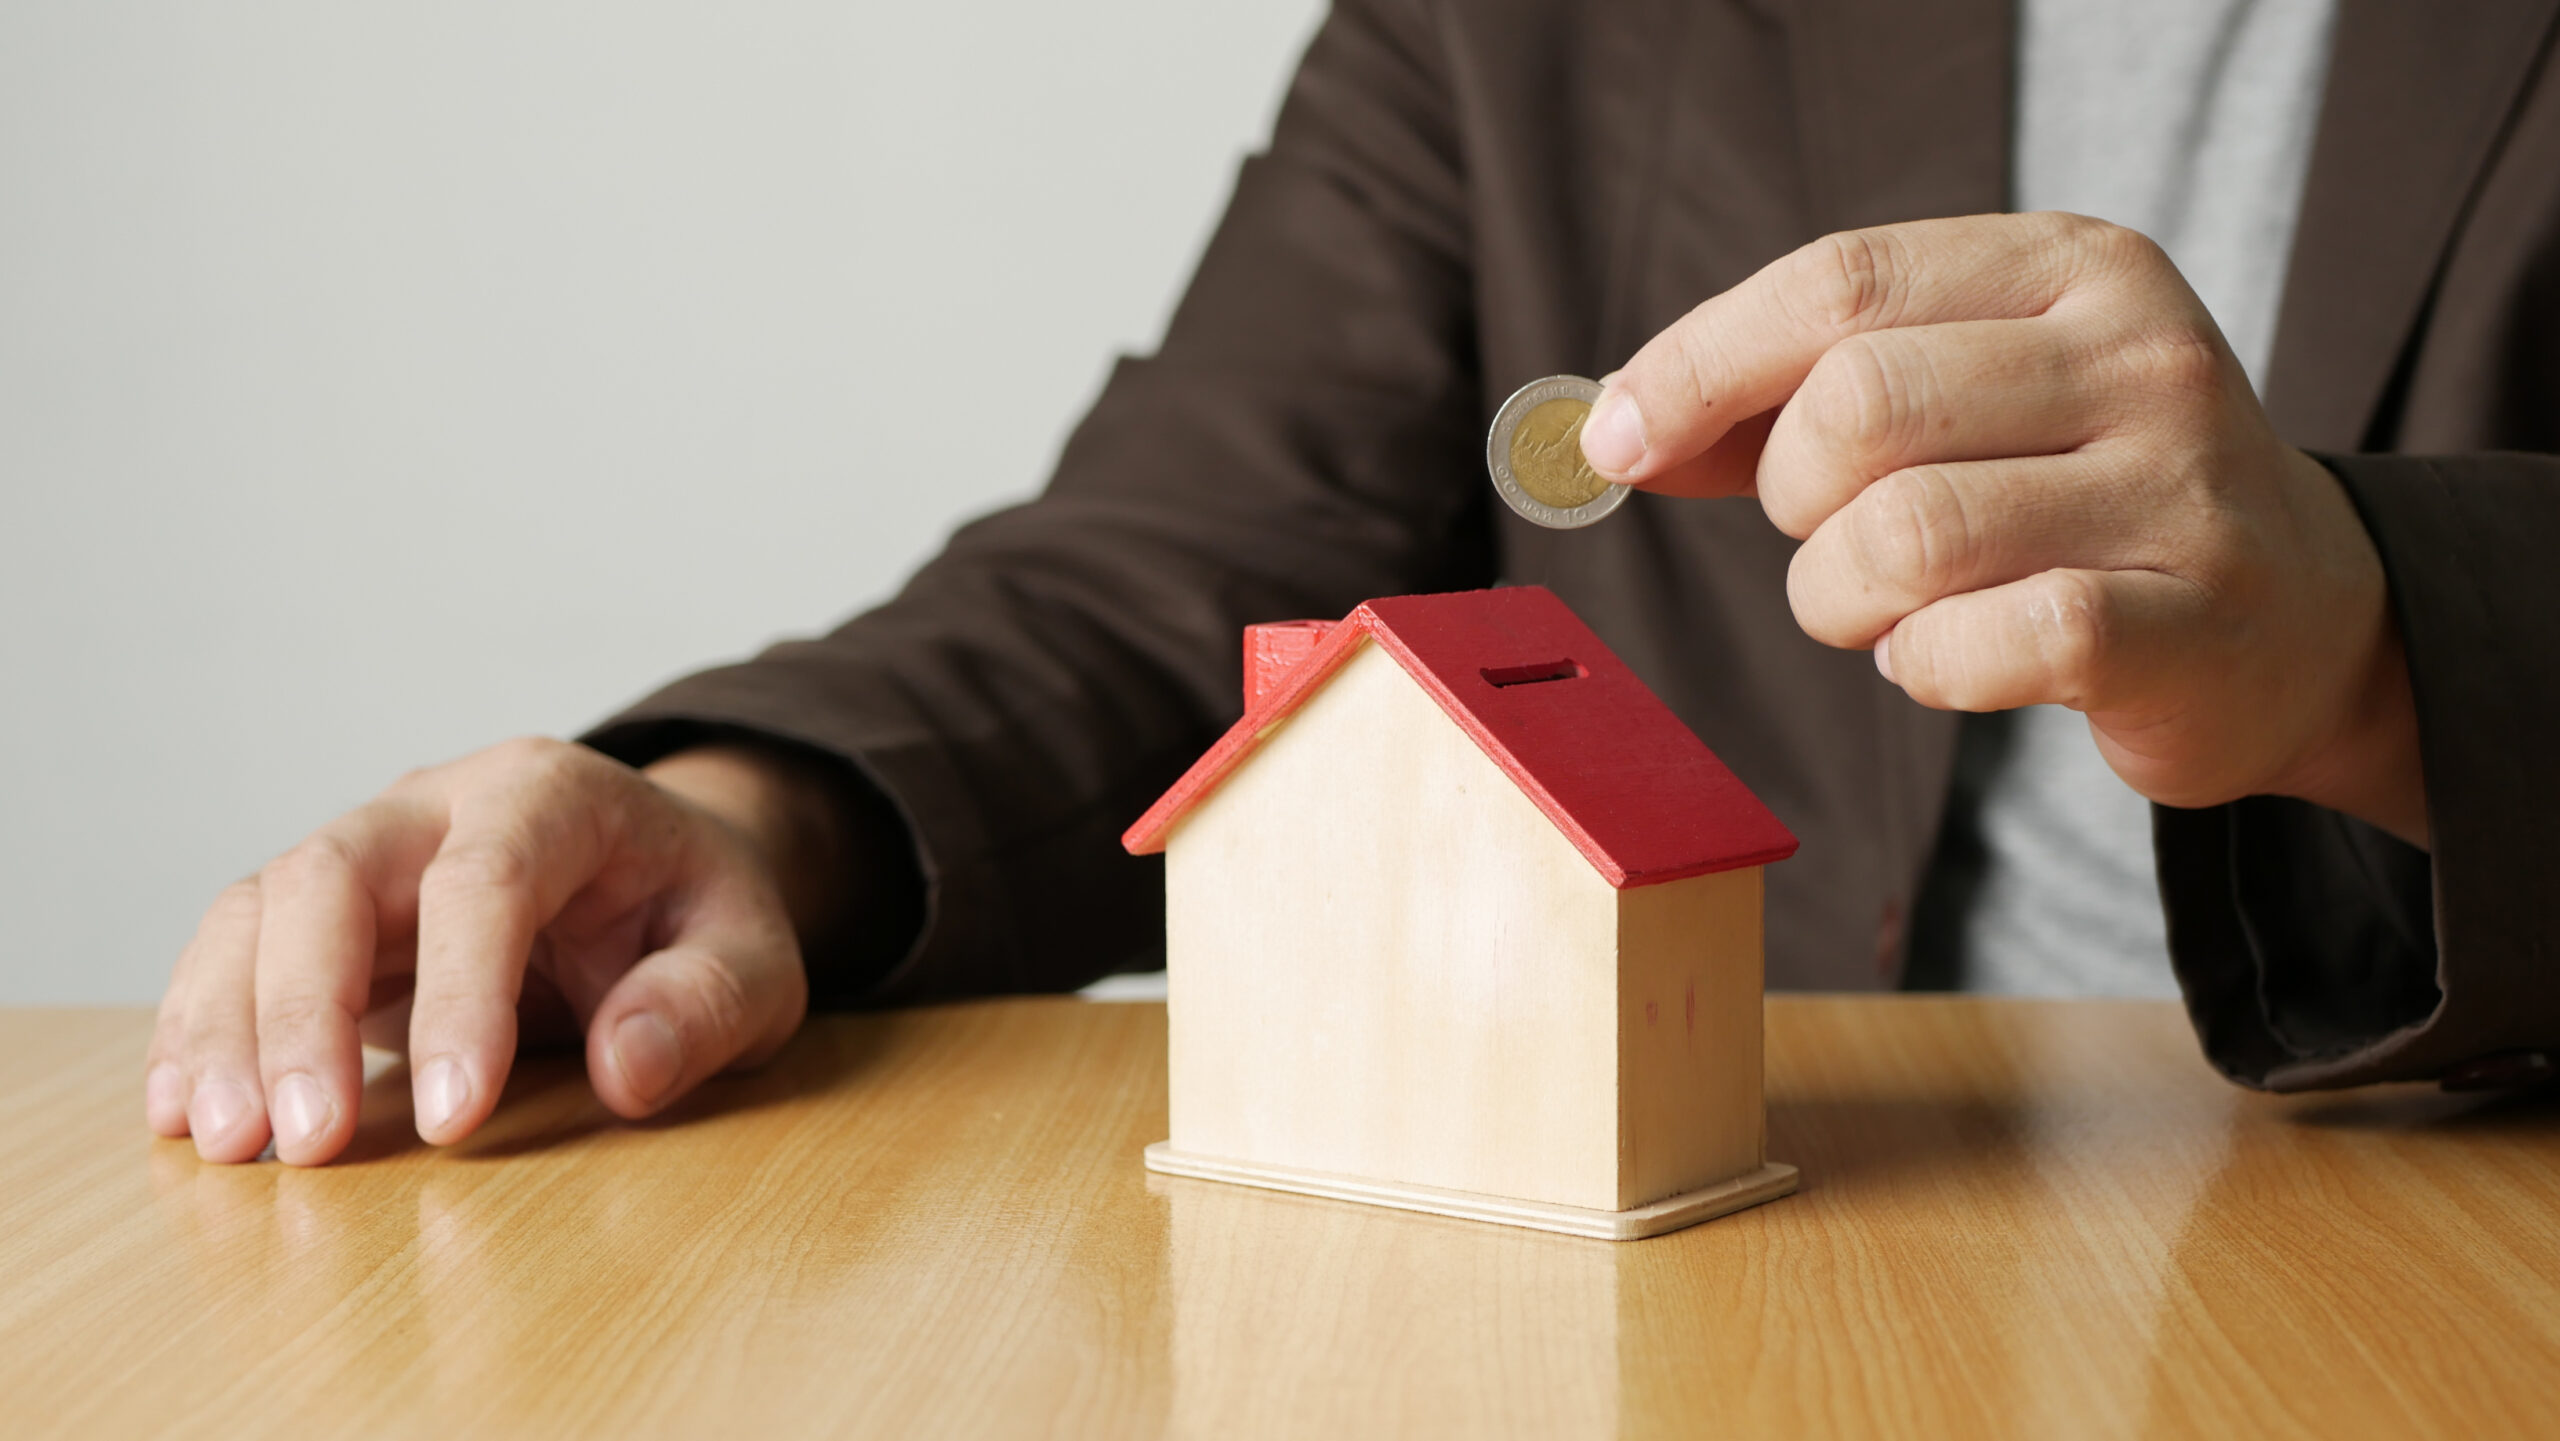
column 1876, row 404
column 164, row 1074
column 226, row 1108
column 169, row 1078
column 444, row 891
column 318, row 941
column 2092, row 640
column 513, row 856
column 1932, row 531
column 1747, row 350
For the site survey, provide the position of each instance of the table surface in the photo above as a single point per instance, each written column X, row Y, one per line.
column 2018, row 1218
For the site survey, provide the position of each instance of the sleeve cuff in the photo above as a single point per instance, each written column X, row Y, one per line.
column 2315, row 951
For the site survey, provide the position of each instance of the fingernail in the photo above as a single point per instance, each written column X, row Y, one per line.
column 217, row 1107
column 1613, row 438
column 1884, row 656
column 443, row 1090
column 302, row 1111
column 646, row 1053
column 164, row 1092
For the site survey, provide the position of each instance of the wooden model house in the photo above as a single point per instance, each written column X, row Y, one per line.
column 1460, row 918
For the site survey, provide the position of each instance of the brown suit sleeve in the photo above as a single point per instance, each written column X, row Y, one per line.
column 1300, row 443
column 2317, row 951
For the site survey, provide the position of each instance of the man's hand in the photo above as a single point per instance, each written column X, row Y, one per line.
column 647, row 911
column 2025, row 469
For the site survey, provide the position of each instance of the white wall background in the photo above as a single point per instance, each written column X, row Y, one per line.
column 380, row 381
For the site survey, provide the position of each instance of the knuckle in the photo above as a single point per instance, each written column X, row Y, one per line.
column 2109, row 247
column 491, row 863
column 321, row 859
column 212, row 1026
column 2184, row 361
column 1869, row 396
column 1912, row 532
column 723, row 1000
column 2130, row 250
column 538, row 758
column 238, row 905
column 521, row 748
column 2074, row 631
column 296, row 1016
column 559, row 760
column 2064, row 225
column 1842, row 282
column 557, row 772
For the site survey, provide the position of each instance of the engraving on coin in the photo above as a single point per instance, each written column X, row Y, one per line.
column 1534, row 453
column 1546, row 455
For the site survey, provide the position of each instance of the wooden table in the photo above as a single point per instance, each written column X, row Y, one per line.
column 2018, row 1218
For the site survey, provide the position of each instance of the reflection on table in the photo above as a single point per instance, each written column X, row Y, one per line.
column 2018, row 1218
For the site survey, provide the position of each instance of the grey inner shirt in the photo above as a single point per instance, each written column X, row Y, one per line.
column 2190, row 121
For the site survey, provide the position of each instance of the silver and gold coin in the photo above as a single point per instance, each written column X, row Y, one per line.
column 1534, row 453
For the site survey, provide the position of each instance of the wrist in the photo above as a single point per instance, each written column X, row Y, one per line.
column 2372, row 770
column 2365, row 761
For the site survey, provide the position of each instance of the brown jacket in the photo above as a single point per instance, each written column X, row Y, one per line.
column 1460, row 197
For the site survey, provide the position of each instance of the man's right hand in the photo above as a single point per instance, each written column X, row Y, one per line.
column 650, row 907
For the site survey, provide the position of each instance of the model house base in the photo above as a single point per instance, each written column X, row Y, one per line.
column 1772, row 1180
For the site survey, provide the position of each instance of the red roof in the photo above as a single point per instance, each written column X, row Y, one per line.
column 1635, row 790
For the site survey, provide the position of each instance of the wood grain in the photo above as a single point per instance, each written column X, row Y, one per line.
column 2017, row 1219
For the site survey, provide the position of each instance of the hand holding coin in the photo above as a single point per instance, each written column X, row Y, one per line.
column 1535, row 455
column 2025, row 468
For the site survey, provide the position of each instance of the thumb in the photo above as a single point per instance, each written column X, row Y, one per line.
column 706, row 1003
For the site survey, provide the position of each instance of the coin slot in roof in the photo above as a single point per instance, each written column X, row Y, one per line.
column 1500, row 676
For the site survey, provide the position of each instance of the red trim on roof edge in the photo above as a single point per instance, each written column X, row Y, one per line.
column 1634, row 790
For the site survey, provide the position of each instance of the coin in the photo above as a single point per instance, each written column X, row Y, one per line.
column 1534, row 453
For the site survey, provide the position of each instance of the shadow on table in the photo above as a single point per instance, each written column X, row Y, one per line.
column 548, row 1102
column 2533, row 1110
